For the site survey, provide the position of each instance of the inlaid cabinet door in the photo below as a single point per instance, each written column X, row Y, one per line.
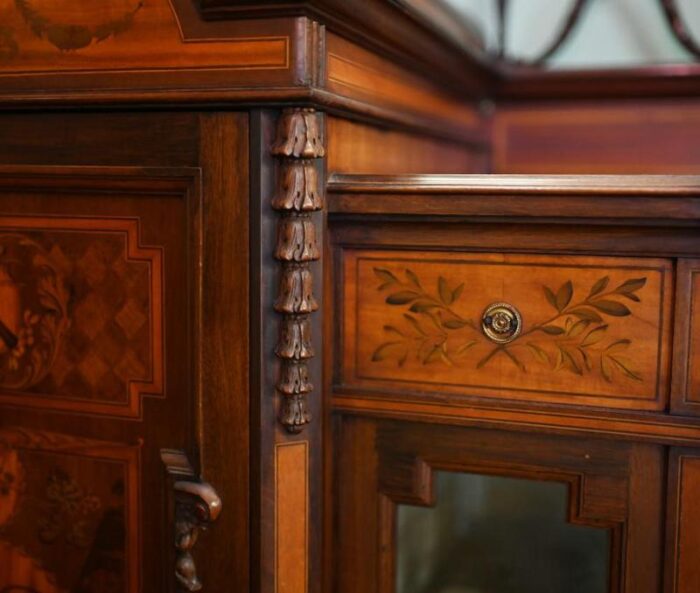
column 100, row 281
column 443, row 509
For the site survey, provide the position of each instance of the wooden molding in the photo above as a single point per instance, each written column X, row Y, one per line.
column 297, row 147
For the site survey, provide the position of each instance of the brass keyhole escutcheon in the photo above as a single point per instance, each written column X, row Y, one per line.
column 501, row 323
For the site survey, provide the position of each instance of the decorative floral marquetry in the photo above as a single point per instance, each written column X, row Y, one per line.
column 33, row 312
column 68, row 26
column 68, row 511
column 573, row 338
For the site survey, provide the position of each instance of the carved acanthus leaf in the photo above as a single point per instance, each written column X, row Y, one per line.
column 294, row 378
column 298, row 135
column 295, row 339
column 296, row 240
column 297, row 187
column 293, row 413
column 296, row 291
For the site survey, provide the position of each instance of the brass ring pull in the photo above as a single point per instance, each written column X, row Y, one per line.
column 501, row 323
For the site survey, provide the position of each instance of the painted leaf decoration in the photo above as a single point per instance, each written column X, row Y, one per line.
column 594, row 336
column 515, row 360
column 385, row 350
column 414, row 322
column 586, row 313
column 385, row 276
column 564, row 295
column 457, row 292
column 612, row 308
column 570, row 362
column 413, row 278
column 393, row 330
column 434, row 355
column 550, row 296
column 605, row 369
column 632, row 285
column 464, row 347
column 586, row 358
column 632, row 297
column 559, row 362
column 552, row 330
column 402, row 297
column 443, row 355
column 625, row 366
column 422, row 306
column 599, row 286
column 435, row 320
column 538, row 352
column 578, row 328
column 444, row 290
column 618, row 345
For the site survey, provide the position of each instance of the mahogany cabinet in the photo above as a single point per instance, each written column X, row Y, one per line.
column 259, row 332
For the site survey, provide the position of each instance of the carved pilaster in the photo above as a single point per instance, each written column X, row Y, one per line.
column 297, row 146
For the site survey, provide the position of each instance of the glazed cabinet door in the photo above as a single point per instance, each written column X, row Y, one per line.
column 435, row 509
column 102, row 440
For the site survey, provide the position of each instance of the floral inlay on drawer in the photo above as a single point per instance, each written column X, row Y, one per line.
column 569, row 329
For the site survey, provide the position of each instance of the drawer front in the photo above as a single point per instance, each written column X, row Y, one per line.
column 566, row 329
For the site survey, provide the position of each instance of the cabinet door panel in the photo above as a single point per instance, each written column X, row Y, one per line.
column 97, row 274
column 611, row 488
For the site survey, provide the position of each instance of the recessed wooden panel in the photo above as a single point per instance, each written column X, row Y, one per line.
column 355, row 147
column 686, row 363
column 630, row 138
column 593, row 330
column 683, row 539
column 80, row 314
column 68, row 514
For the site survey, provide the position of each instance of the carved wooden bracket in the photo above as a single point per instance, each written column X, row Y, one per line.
column 297, row 196
column 197, row 505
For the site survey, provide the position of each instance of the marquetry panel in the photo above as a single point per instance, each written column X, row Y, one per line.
column 58, row 49
column 70, row 35
column 68, row 514
column 586, row 330
column 80, row 314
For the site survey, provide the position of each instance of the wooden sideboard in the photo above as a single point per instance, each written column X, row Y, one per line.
column 250, row 303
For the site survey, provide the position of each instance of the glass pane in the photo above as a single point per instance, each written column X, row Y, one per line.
column 609, row 33
column 491, row 534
